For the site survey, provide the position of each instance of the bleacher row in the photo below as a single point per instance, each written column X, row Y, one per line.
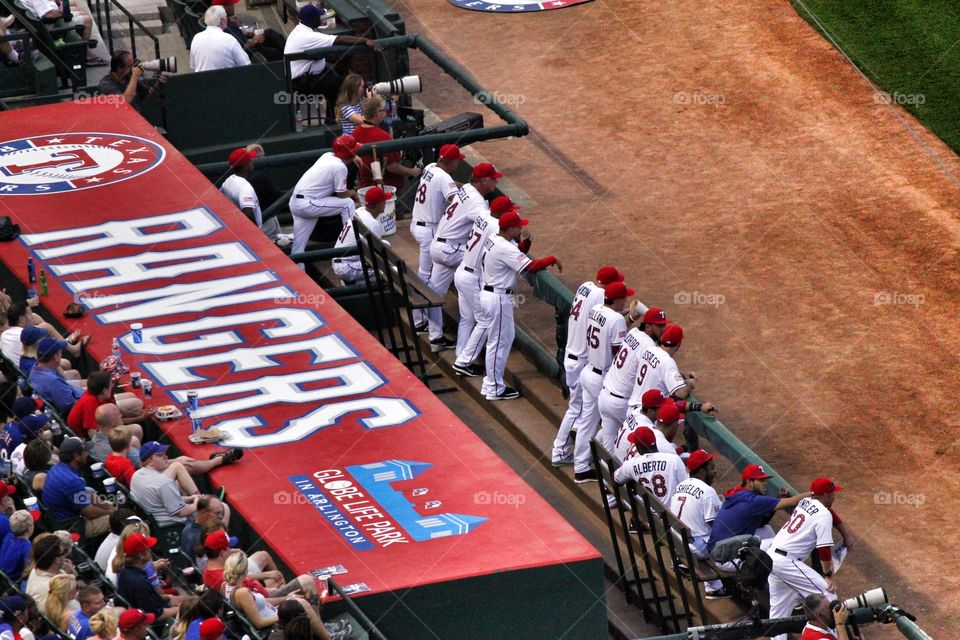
column 184, row 575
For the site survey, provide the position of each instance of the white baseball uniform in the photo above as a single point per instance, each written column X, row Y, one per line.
column 810, row 527
column 658, row 472
column 695, row 503
column 623, row 448
column 501, row 263
column 433, row 195
column 447, row 247
column 241, row 193
column 349, row 268
column 313, row 198
column 471, row 333
column 589, row 294
column 656, row 370
column 606, row 330
column 617, row 385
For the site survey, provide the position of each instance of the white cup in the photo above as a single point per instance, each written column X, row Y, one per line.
column 30, row 503
column 97, row 469
column 258, row 32
column 109, row 484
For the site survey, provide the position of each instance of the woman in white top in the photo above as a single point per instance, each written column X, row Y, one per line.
column 251, row 602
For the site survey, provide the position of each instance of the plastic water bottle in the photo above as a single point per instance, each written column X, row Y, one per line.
column 299, row 120
column 43, row 282
column 31, row 271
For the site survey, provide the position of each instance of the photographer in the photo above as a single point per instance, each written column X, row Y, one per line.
column 126, row 79
column 823, row 622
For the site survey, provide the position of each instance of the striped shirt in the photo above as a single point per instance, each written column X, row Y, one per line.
column 346, row 111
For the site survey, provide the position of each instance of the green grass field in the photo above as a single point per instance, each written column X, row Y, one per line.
column 909, row 48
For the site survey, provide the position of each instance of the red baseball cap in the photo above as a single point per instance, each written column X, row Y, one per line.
column 451, row 152
column 217, row 541
column 652, row 399
column 643, row 436
column 655, row 315
column 7, row 489
column 609, row 274
column 617, row 291
column 503, row 204
column 510, row 220
column 485, row 170
column 376, row 195
column 823, row 486
column 137, row 544
column 240, row 157
column 754, row 472
column 211, row 629
column 669, row 413
column 133, row 618
column 699, row 458
column 672, row 336
column 346, row 147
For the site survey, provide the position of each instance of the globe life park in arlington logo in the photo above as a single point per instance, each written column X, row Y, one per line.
column 73, row 161
column 520, row 6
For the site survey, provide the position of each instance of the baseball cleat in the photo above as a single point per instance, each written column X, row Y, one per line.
column 423, row 327
column 722, row 592
column 509, row 393
column 585, row 476
column 442, row 344
column 467, row 370
column 563, row 462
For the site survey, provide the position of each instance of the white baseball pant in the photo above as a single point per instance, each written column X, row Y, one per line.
column 698, row 545
column 471, row 335
column 423, row 234
column 306, row 211
column 349, row 271
column 613, row 411
column 790, row 581
column 591, row 383
column 572, row 367
column 497, row 309
column 446, row 257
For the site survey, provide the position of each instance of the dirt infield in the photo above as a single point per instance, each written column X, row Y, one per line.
column 803, row 232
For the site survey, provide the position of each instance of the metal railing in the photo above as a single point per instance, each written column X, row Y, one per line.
column 103, row 13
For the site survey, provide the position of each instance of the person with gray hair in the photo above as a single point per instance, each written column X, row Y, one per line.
column 15, row 549
column 214, row 48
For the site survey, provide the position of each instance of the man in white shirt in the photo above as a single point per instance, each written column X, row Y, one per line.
column 810, row 528
column 660, row 473
column 314, row 77
column 214, row 48
column 434, row 192
column 349, row 268
column 501, row 263
column 238, row 189
column 642, row 416
column 696, row 503
column 322, row 192
column 51, row 12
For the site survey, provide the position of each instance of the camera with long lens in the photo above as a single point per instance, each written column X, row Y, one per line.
column 872, row 599
column 399, row 87
column 160, row 65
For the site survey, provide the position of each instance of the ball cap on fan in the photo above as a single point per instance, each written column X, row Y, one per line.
column 608, row 274
column 451, row 152
column 344, row 147
column 133, row 618
column 617, row 291
column 376, row 195
column 823, row 486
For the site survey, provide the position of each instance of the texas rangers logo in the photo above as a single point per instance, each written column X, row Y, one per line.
column 73, row 161
column 520, row 6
